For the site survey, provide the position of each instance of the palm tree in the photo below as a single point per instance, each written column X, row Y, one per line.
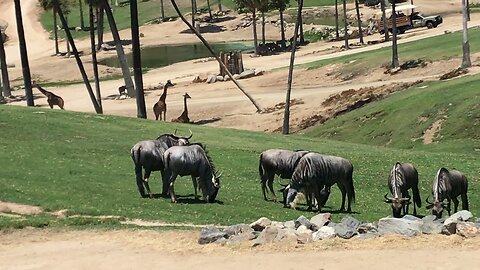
column 209, row 9
column 77, row 57
column 466, row 62
column 360, row 32
column 345, row 37
column 80, row 6
column 23, row 54
column 337, row 35
column 3, row 66
column 137, row 64
column 281, row 6
column 193, row 13
column 384, row 20
column 219, row 5
column 395, row 63
column 47, row 5
column 91, row 4
column 120, row 53
column 162, row 10
column 100, row 20
column 263, row 7
column 302, row 36
column 286, row 116
column 179, row 13
column 251, row 6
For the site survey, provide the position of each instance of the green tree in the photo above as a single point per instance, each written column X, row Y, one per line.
column 91, row 5
column 23, row 54
column 345, row 22
column 137, row 64
column 263, row 7
column 466, row 61
column 395, row 62
column 359, row 20
column 3, row 66
column 252, row 7
column 337, row 35
column 384, row 19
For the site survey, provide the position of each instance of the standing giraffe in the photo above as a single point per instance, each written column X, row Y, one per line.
column 184, row 117
column 161, row 106
column 52, row 99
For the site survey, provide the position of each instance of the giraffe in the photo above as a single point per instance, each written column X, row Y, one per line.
column 161, row 106
column 184, row 117
column 52, row 99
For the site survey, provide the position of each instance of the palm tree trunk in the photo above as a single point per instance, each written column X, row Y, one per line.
column 82, row 22
column 120, row 53
column 263, row 28
column 24, row 55
column 345, row 37
column 395, row 62
column 282, row 27
column 94, row 57
column 68, row 43
column 337, row 35
column 468, row 10
column 174, row 4
column 360, row 32
column 466, row 62
column 209, row 9
column 286, row 116
column 302, row 37
column 55, row 31
column 162, row 10
column 100, row 28
column 137, row 64
column 219, row 5
column 3, row 66
column 384, row 19
column 193, row 13
column 255, row 38
column 77, row 57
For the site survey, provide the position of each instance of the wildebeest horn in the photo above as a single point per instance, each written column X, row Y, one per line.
column 387, row 200
column 220, row 174
column 175, row 132
column 191, row 134
column 426, row 200
column 404, row 199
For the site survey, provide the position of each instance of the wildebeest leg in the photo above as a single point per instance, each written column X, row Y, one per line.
column 448, row 205
column 271, row 176
column 165, row 181
column 139, row 179
column 50, row 103
column 406, row 205
column 171, row 189
column 344, row 194
column 145, row 182
column 464, row 201
column 194, row 181
column 455, row 204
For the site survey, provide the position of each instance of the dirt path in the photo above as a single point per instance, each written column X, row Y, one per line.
column 128, row 249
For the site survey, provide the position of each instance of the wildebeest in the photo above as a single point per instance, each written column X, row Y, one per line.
column 149, row 156
column 192, row 160
column 403, row 177
column 448, row 185
column 277, row 162
column 314, row 172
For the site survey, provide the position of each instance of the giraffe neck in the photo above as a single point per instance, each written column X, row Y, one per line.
column 185, row 110
column 164, row 94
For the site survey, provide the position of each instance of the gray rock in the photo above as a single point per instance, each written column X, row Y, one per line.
column 211, row 79
column 410, row 217
column 237, row 229
column 324, row 232
column 367, row 228
column 466, row 229
column 429, row 218
column 226, row 78
column 246, row 74
column 365, row 236
column 304, row 237
column 220, row 78
column 242, row 237
column 260, row 224
column 287, row 235
column 289, row 224
column 449, row 228
column 399, row 226
column 278, row 224
column 268, row 235
column 210, row 234
column 344, row 231
column 221, row 241
column 236, row 76
column 431, row 227
column 351, row 222
column 301, row 220
column 463, row 215
column 303, row 229
column 321, row 220
column 331, row 224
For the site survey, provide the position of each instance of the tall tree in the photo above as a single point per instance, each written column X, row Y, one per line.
column 3, row 66
column 77, row 57
column 209, row 10
column 137, row 64
column 219, row 5
column 466, row 62
column 23, row 54
column 82, row 22
column 193, row 13
column 202, row 39
column 337, row 34
column 263, row 7
column 162, row 10
column 100, row 24
column 91, row 5
column 384, row 20
column 395, row 62
column 47, row 5
column 345, row 22
column 251, row 6
column 286, row 116
column 120, row 52
column 302, row 36
column 281, row 6
column 359, row 20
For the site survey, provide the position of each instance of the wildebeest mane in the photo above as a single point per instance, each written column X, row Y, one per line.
column 204, row 147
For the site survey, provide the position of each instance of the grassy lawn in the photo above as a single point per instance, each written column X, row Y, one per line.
column 81, row 162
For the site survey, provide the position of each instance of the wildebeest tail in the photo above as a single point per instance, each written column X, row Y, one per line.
column 260, row 168
column 416, row 196
column 350, row 185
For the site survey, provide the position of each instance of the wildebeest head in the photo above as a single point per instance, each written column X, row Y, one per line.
column 438, row 205
column 397, row 205
column 324, row 194
column 177, row 140
column 289, row 195
column 216, row 186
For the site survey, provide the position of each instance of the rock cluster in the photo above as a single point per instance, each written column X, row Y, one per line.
column 320, row 227
column 248, row 73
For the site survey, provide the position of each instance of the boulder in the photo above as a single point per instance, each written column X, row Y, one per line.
column 345, row 231
column 351, row 222
column 211, row 79
column 246, row 74
column 289, row 224
column 410, row 217
column 268, row 235
column 321, row 220
column 220, row 78
column 431, row 226
column 365, row 236
column 324, row 232
column 399, row 226
column 303, row 229
column 301, row 220
column 463, row 215
column 449, row 228
column 237, row 229
column 261, row 224
column 242, row 237
column 367, row 228
column 304, row 237
column 278, row 224
column 286, row 235
column 466, row 229
column 210, row 234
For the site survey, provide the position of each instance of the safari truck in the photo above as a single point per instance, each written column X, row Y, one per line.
column 407, row 19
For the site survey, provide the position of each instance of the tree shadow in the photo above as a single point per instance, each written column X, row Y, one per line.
column 206, row 121
column 206, row 29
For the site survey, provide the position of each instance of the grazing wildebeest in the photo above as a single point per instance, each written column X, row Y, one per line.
column 403, row 177
column 192, row 160
column 314, row 172
column 277, row 162
column 149, row 156
column 448, row 185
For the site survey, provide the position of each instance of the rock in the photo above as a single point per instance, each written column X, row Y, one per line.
column 277, row 224
column 210, row 234
column 321, row 220
column 78, row 29
column 261, row 224
column 236, row 76
column 141, row 35
column 289, row 224
column 410, row 217
column 304, row 237
column 226, row 78
column 351, row 222
column 301, row 220
column 367, row 228
column 237, row 229
column 221, row 241
column 344, row 231
column 463, row 215
column 211, row 79
column 242, row 237
column 246, row 74
column 286, row 235
column 431, row 227
column 268, row 235
column 399, row 226
column 450, row 228
column 198, row 79
column 366, row 236
column 220, row 78
column 324, row 232
column 466, row 229
column 303, row 229
column 429, row 218
column 259, row 73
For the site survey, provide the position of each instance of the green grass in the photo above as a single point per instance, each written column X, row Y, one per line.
column 81, row 162
column 400, row 120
